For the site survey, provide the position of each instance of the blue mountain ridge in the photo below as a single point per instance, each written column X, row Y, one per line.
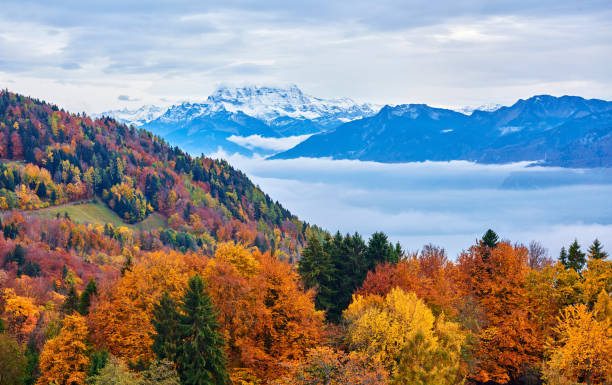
column 567, row 131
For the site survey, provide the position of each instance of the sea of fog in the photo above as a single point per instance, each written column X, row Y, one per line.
column 449, row 204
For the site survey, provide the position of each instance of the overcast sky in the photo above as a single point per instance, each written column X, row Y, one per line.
column 96, row 55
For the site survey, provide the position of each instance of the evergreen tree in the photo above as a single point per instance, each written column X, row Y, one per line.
column 196, row 343
column 98, row 359
column 317, row 270
column 165, row 320
column 201, row 360
column 596, row 250
column 576, row 259
column 85, row 299
column 490, row 239
column 563, row 256
column 380, row 250
column 71, row 303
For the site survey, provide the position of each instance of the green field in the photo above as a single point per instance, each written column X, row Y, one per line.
column 99, row 213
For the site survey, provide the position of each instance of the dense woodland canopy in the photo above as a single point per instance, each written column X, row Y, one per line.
column 235, row 290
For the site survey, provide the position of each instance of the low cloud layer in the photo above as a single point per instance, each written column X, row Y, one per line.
column 449, row 204
column 255, row 142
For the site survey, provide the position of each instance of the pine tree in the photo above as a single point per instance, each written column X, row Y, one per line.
column 563, row 256
column 317, row 270
column 85, row 299
column 596, row 250
column 576, row 259
column 380, row 250
column 71, row 303
column 490, row 239
column 196, row 342
column 165, row 320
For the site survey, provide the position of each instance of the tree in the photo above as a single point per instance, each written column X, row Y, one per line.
column 12, row 363
column 200, row 358
column 399, row 331
column 538, row 256
column 563, row 256
column 64, row 359
column 325, row 365
column 508, row 341
column 166, row 340
column 381, row 250
column 85, row 300
column 317, row 271
column 160, row 373
column 71, row 302
column 576, row 259
column 490, row 239
column 581, row 350
column 114, row 373
column 596, row 250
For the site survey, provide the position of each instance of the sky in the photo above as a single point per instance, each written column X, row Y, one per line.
column 449, row 204
column 97, row 55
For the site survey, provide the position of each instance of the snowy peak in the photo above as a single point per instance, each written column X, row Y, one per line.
column 137, row 117
column 269, row 103
column 488, row 107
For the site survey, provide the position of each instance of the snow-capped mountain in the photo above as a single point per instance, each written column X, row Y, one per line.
column 137, row 117
column 270, row 103
column 488, row 107
column 252, row 111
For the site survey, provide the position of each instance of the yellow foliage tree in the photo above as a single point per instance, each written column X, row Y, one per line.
column 239, row 257
column 21, row 315
column 64, row 360
column 401, row 333
column 581, row 350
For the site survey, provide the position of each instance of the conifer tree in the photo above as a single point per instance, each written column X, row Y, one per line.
column 576, row 259
column 85, row 299
column 71, row 303
column 201, row 360
column 165, row 320
column 563, row 256
column 490, row 239
column 596, row 250
column 317, row 270
column 196, row 343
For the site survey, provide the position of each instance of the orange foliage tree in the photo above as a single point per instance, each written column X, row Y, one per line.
column 496, row 277
column 64, row 360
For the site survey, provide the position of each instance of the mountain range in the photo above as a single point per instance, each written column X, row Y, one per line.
column 230, row 114
column 566, row 131
column 284, row 123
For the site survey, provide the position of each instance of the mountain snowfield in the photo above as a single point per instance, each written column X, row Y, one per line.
column 261, row 102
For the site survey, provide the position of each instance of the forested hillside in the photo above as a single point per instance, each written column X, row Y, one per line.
column 52, row 157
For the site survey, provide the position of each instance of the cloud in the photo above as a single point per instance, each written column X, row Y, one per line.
column 447, row 203
column 253, row 142
column 441, row 53
column 127, row 98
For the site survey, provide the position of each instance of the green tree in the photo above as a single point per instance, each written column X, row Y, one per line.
column 98, row 359
column 596, row 250
column 114, row 373
column 380, row 250
column 12, row 361
column 563, row 256
column 576, row 259
column 317, row 270
column 71, row 303
column 197, row 345
column 490, row 239
column 165, row 321
column 86, row 295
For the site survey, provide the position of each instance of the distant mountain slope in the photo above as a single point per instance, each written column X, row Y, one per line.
column 565, row 131
column 265, row 111
column 51, row 157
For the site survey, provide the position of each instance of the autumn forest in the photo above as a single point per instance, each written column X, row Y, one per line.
column 190, row 274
